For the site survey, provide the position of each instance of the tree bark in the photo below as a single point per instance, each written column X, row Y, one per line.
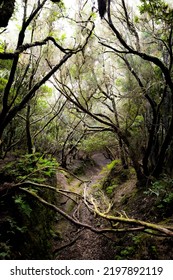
column 28, row 132
column 6, row 11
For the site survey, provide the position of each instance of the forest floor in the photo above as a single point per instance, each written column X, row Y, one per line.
column 83, row 244
column 74, row 243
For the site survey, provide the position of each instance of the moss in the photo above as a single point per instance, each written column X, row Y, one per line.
column 113, row 163
column 115, row 176
column 110, row 190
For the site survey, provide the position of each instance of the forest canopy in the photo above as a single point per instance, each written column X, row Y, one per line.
column 82, row 80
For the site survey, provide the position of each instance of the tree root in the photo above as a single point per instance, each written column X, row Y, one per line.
column 70, row 243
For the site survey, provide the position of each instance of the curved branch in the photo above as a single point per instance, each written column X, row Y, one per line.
column 146, row 225
column 70, row 243
column 58, row 191
column 141, row 225
column 155, row 60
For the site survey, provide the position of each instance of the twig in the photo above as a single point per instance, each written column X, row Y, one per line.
column 37, row 185
column 67, row 244
column 127, row 220
column 141, row 225
column 72, row 174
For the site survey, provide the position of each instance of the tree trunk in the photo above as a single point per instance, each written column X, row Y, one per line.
column 121, row 146
column 28, row 132
column 6, row 11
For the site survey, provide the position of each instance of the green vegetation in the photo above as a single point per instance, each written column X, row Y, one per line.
column 115, row 175
column 162, row 191
column 35, row 167
column 139, row 246
column 28, row 224
column 80, row 101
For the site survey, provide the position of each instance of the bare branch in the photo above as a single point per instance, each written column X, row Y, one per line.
column 70, row 243
column 141, row 225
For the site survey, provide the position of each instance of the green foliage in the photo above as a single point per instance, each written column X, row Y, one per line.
column 138, row 121
column 13, row 225
column 31, row 166
column 94, row 15
column 160, row 187
column 63, row 37
column 97, row 142
column 126, row 252
column 157, row 9
column 136, row 19
column 10, row 231
column 136, row 246
column 169, row 198
column 5, row 251
column 137, row 239
column 110, row 189
column 60, row 4
column 25, row 225
column 23, row 205
column 46, row 89
column 163, row 191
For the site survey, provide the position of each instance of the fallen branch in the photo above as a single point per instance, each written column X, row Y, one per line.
column 76, row 222
column 146, row 225
column 70, row 243
column 58, row 191
column 45, row 186
column 141, row 225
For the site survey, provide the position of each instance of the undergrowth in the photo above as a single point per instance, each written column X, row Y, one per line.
column 25, row 224
column 33, row 167
column 114, row 176
column 162, row 192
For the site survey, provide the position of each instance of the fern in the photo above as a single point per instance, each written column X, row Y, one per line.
column 23, row 205
column 31, row 167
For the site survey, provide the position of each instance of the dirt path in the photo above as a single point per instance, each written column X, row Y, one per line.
column 82, row 244
column 88, row 246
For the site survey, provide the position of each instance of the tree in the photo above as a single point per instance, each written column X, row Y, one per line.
column 102, row 7
column 19, row 90
column 7, row 9
column 160, row 57
column 146, row 54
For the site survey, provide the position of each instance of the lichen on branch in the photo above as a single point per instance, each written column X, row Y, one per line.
column 121, row 218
